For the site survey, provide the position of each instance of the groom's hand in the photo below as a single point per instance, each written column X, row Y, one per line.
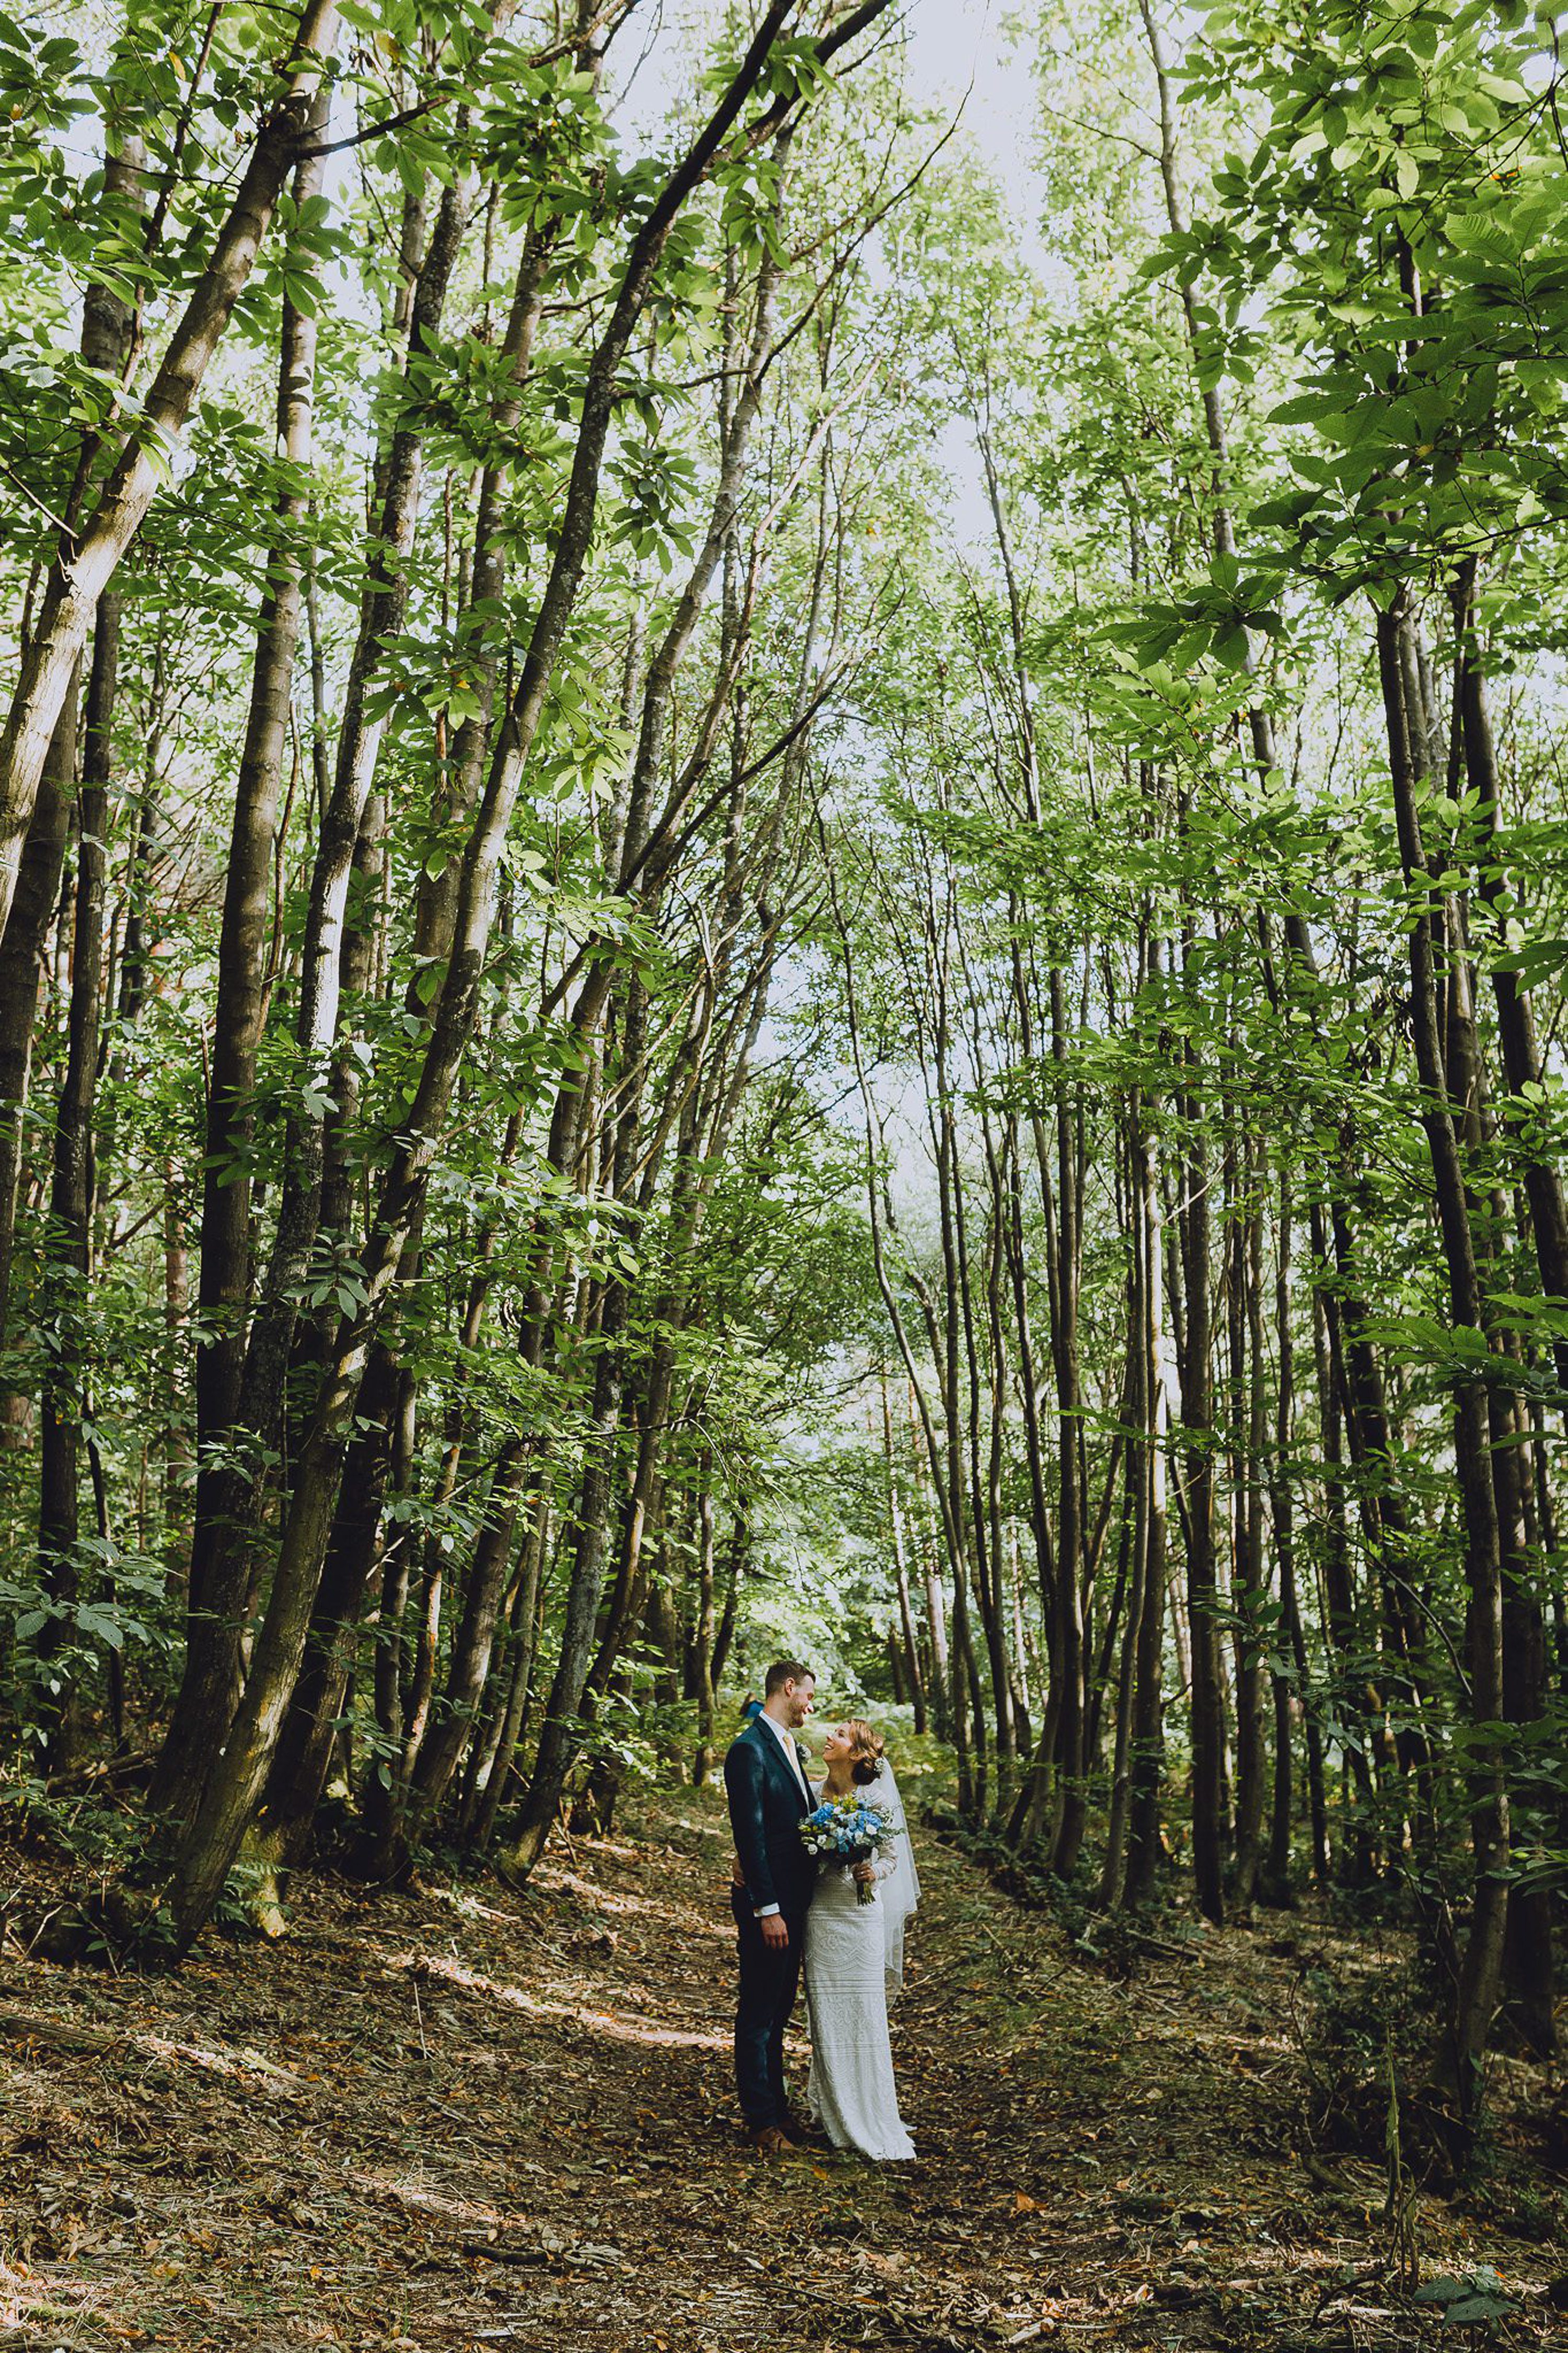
column 775, row 1934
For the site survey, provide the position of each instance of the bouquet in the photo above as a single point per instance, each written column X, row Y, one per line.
column 847, row 1830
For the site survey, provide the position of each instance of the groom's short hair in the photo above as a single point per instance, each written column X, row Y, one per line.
column 786, row 1671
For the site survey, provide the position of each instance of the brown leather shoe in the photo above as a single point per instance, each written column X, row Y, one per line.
column 767, row 2140
column 801, row 2132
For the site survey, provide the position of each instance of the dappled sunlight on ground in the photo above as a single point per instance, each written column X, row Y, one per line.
column 420, row 2199
column 29, row 2299
column 462, row 2117
column 625, row 2029
column 627, row 1905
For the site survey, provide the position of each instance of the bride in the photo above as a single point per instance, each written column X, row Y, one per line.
column 855, row 1960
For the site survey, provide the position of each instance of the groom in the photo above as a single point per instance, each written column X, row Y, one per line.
column 769, row 1798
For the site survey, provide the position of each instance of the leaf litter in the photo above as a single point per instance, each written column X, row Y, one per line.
column 464, row 2118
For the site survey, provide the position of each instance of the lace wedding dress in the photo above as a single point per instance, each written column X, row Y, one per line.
column 854, row 1961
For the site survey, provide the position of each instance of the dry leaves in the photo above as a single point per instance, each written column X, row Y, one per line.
column 473, row 2119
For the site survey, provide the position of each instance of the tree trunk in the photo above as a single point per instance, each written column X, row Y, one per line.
column 230, row 1510
column 301, row 1767
column 1243, row 1275
column 68, row 1251
column 67, row 1279
column 702, row 1645
column 910, row 1648
column 1145, row 1847
column 225, row 1278
column 1282, row 1506
column 1208, row 1701
column 206, row 1851
column 22, row 954
column 1521, row 1056
column 1480, row 1973
column 557, row 1746
column 493, row 1781
column 79, row 577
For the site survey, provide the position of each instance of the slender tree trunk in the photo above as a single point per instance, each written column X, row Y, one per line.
column 238, row 1775
column 233, row 1499
column 493, row 1786
column 1483, row 1964
column 1144, row 1841
column 105, row 329
column 1528, row 1950
column 1244, row 1273
column 739, row 1550
column 178, row 1460
column 1349, row 1692
column 1140, row 1415
column 1517, row 1034
column 305, row 1748
column 68, row 1246
column 556, row 1749
column 1282, row 1505
column 22, row 965
column 1208, row 1701
column 67, row 1249
column 910, row 1650
column 1071, row 1794
column 703, row 1639
column 225, row 1281
column 83, row 571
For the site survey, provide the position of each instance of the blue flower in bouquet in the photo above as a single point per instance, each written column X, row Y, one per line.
column 847, row 1830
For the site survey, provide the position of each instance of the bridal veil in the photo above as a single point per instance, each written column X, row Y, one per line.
column 900, row 1892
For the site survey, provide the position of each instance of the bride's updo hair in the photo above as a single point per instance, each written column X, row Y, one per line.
column 869, row 1749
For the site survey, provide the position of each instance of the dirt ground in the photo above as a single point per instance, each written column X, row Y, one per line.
column 469, row 2119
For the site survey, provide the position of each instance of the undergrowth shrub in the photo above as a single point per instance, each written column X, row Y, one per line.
column 1372, row 2066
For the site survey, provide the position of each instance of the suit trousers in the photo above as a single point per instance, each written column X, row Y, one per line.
column 769, row 1979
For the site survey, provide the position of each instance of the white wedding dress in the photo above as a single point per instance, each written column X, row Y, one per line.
column 854, row 1963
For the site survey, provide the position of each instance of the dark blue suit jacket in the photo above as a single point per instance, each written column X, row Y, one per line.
column 766, row 1809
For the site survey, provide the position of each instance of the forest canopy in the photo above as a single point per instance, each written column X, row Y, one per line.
column 765, row 888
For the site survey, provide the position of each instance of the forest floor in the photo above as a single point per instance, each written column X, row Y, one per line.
column 467, row 2119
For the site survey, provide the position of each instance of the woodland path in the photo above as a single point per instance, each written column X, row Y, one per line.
column 470, row 2119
